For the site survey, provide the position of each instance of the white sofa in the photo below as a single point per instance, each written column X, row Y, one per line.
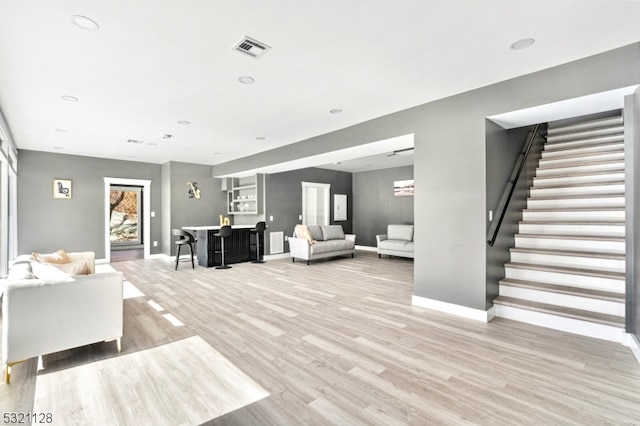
column 330, row 241
column 398, row 241
column 51, row 314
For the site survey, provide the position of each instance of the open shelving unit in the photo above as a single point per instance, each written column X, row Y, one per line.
column 244, row 195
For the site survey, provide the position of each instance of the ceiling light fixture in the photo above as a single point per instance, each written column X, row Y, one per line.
column 58, row 147
column 167, row 136
column 69, row 98
column 246, row 79
column 261, row 138
column 522, row 44
column 335, row 111
column 135, row 141
column 61, row 130
column 85, row 23
column 184, row 122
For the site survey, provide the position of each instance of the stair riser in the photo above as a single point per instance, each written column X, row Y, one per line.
column 582, row 281
column 587, row 125
column 578, row 229
column 565, row 300
column 553, row 138
column 584, row 143
column 608, row 156
column 586, row 168
column 569, row 325
column 591, row 149
column 572, row 180
column 595, row 246
column 578, row 190
column 593, row 216
column 616, row 202
column 595, row 263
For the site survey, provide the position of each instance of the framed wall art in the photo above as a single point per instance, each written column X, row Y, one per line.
column 62, row 188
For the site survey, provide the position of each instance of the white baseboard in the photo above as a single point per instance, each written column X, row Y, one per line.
column 632, row 342
column 450, row 308
column 276, row 256
column 366, row 248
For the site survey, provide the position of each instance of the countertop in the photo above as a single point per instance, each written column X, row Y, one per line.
column 215, row 227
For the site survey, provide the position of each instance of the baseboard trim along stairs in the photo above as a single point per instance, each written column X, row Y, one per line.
column 567, row 269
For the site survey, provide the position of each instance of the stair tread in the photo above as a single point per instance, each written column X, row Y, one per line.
column 579, row 184
column 572, row 222
column 573, row 197
column 580, row 314
column 567, row 270
column 572, row 237
column 565, row 289
column 583, row 155
column 573, row 253
column 580, row 164
column 597, row 123
column 581, row 174
column 575, row 209
column 588, row 132
column 612, row 144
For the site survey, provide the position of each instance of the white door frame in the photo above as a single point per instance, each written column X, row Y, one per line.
column 146, row 212
column 326, row 189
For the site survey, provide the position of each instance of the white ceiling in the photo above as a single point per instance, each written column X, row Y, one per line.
column 154, row 63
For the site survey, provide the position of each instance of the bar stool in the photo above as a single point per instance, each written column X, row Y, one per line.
column 184, row 239
column 223, row 233
column 259, row 229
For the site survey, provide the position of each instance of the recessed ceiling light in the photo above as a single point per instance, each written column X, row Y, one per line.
column 217, row 153
column 152, row 143
column 246, row 79
column 335, row 111
column 184, row 122
column 167, row 136
column 261, row 138
column 135, row 141
column 58, row 147
column 69, row 98
column 85, row 23
column 522, row 44
column 61, row 130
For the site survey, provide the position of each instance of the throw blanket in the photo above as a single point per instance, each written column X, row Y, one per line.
column 302, row 231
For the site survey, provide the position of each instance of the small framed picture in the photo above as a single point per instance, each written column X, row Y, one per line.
column 62, row 188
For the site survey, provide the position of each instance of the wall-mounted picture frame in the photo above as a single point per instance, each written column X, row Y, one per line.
column 403, row 188
column 339, row 207
column 62, row 189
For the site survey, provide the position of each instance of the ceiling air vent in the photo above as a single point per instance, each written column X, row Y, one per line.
column 251, row 47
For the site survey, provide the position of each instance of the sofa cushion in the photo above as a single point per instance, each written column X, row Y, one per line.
column 332, row 232
column 400, row 232
column 79, row 267
column 21, row 271
column 50, row 273
column 331, row 246
column 315, row 231
column 397, row 245
column 59, row 257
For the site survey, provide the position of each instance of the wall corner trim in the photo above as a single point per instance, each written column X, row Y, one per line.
column 631, row 341
column 450, row 308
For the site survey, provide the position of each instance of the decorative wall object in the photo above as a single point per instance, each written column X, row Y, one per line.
column 339, row 207
column 62, row 188
column 403, row 188
column 194, row 192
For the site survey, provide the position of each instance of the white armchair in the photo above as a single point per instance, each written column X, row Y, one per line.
column 42, row 316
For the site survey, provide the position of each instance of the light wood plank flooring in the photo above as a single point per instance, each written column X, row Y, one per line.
column 338, row 342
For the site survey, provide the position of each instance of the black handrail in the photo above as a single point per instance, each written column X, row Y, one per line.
column 511, row 186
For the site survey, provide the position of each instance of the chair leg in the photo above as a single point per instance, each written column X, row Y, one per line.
column 193, row 265
column 177, row 257
column 223, row 265
column 258, row 260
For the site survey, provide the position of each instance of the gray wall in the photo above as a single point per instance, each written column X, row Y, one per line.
column 632, row 211
column 374, row 205
column 185, row 211
column 283, row 193
column 46, row 224
column 503, row 148
column 450, row 164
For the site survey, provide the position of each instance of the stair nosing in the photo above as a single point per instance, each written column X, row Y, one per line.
column 572, row 148
column 572, row 237
column 579, row 185
column 576, row 222
column 568, row 271
column 582, row 155
column 579, row 314
column 575, row 209
column 564, row 289
column 570, row 253
column 580, row 164
column 581, row 174
column 553, row 129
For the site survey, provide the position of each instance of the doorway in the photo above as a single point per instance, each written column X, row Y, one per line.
column 125, row 222
column 315, row 203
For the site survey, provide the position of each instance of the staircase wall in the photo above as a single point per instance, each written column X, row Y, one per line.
column 502, row 150
column 632, row 237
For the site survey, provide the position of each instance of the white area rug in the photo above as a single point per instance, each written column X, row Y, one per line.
column 183, row 383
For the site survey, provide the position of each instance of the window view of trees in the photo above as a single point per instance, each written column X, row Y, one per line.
column 124, row 216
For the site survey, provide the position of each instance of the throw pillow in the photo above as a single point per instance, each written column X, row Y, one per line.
column 79, row 267
column 58, row 257
column 21, row 271
column 332, row 232
column 302, row 231
column 49, row 272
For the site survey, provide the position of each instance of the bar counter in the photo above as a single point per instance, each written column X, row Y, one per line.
column 239, row 247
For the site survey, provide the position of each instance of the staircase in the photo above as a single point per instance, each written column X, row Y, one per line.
column 567, row 269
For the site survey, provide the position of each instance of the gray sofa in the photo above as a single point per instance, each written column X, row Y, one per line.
column 398, row 241
column 331, row 241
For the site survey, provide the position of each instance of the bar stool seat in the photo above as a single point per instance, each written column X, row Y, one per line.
column 223, row 233
column 184, row 239
column 259, row 229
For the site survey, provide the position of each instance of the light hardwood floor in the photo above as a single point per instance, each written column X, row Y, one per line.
column 338, row 342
